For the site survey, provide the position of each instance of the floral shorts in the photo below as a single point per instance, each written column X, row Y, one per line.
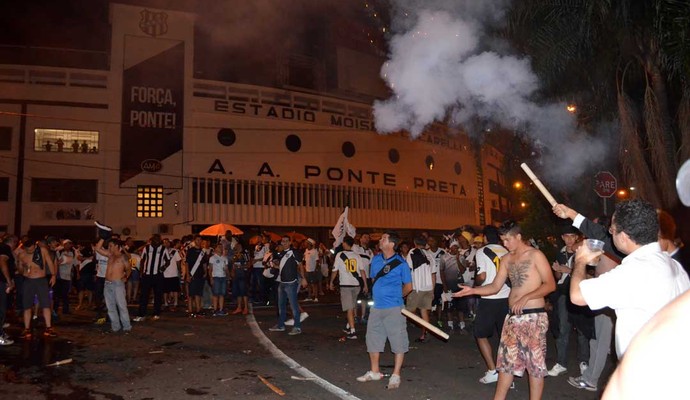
column 523, row 345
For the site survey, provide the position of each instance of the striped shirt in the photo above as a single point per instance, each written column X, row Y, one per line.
column 153, row 260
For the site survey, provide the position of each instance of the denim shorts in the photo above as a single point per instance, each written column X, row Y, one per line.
column 220, row 286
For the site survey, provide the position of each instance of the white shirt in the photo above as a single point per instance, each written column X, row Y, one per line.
column 218, row 263
column 366, row 255
column 645, row 281
column 354, row 263
column 102, row 265
column 468, row 275
column 135, row 261
column 259, row 255
column 311, row 256
column 422, row 275
column 491, row 267
column 172, row 271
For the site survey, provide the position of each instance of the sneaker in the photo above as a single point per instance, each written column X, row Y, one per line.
column 49, row 332
column 156, row 317
column 316, row 300
column 100, row 321
column 583, row 367
column 295, row 331
column 26, row 334
column 557, row 369
column 290, row 322
column 346, row 329
column 393, row 382
column 580, row 383
column 303, row 316
column 139, row 319
column 277, row 329
column 370, row 376
column 222, row 313
column 5, row 341
column 5, row 325
column 351, row 335
column 490, row 376
column 308, row 299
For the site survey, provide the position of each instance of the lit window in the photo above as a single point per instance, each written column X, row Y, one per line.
column 66, row 141
column 149, row 201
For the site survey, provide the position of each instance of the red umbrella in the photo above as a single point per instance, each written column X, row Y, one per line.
column 296, row 236
column 220, row 229
column 274, row 237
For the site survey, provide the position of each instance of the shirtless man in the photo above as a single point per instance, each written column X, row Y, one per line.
column 33, row 261
column 114, row 291
column 523, row 340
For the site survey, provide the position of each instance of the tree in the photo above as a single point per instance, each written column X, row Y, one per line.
column 628, row 59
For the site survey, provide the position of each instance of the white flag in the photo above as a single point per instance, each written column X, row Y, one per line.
column 343, row 227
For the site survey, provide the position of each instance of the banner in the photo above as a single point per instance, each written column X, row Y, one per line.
column 343, row 227
column 152, row 112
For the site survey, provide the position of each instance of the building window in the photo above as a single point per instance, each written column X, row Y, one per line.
column 5, row 138
column 149, row 201
column 66, row 141
column 64, row 190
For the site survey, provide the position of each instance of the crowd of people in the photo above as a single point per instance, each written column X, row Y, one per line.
column 484, row 282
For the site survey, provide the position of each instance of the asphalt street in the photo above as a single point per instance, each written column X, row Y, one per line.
column 225, row 357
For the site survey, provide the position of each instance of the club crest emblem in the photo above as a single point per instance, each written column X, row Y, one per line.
column 386, row 269
column 154, row 23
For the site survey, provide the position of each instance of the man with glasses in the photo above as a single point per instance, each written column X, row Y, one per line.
column 645, row 281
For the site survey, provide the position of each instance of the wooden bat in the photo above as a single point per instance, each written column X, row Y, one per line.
column 425, row 324
column 539, row 185
column 271, row 386
column 58, row 363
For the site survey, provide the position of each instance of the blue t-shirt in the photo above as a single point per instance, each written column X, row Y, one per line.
column 387, row 291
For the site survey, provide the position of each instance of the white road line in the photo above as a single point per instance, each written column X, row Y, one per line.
column 277, row 353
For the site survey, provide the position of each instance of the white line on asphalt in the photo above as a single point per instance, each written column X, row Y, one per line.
column 277, row 353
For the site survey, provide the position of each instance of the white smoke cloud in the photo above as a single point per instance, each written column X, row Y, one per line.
column 444, row 67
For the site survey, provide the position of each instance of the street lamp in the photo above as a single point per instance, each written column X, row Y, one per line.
column 523, row 204
column 572, row 108
column 517, row 185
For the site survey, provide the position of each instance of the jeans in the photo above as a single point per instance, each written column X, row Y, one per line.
column 149, row 282
column 599, row 348
column 62, row 288
column 288, row 292
column 116, row 302
column 565, row 328
column 256, row 286
column 3, row 305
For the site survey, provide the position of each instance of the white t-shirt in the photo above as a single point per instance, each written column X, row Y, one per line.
column 345, row 269
column 436, row 257
column 102, row 265
column 172, row 271
column 491, row 267
column 218, row 265
column 422, row 275
column 135, row 261
column 468, row 275
column 259, row 255
column 366, row 255
column 645, row 281
column 310, row 259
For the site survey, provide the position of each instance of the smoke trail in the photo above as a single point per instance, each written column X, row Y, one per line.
column 443, row 66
